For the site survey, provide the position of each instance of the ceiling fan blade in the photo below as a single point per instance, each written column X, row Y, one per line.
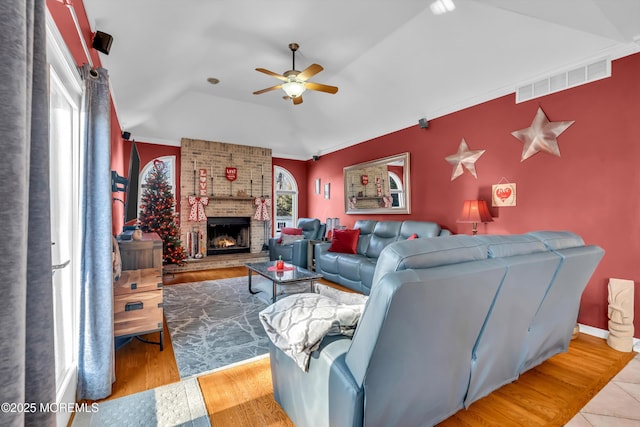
column 309, row 72
column 321, row 87
column 297, row 100
column 272, row 74
column 269, row 89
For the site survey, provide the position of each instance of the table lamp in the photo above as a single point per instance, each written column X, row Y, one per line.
column 475, row 211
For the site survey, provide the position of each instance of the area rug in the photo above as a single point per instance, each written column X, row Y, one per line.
column 177, row 404
column 215, row 323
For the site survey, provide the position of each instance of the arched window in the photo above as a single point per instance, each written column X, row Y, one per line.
column 396, row 189
column 285, row 194
column 169, row 166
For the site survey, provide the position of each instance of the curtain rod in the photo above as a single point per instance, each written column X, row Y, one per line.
column 79, row 30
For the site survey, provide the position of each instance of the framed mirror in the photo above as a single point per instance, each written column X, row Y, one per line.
column 380, row 186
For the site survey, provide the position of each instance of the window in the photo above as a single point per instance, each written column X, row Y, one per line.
column 395, row 186
column 285, row 194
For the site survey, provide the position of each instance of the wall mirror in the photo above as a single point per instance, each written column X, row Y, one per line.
column 380, row 186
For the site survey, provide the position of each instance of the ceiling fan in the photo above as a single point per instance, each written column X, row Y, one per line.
column 296, row 82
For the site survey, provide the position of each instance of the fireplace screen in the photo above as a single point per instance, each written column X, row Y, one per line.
column 226, row 235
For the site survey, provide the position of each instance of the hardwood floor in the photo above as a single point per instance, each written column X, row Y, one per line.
column 548, row 395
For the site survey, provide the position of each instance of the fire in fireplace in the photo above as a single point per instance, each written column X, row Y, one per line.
column 227, row 235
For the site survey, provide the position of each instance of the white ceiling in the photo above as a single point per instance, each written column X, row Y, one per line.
column 394, row 62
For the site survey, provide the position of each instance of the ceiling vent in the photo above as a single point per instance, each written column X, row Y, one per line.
column 578, row 76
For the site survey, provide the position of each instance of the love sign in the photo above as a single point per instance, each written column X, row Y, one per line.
column 504, row 194
column 231, row 173
column 202, row 182
column 364, row 179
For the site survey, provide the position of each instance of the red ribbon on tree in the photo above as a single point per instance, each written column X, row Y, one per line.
column 262, row 208
column 197, row 204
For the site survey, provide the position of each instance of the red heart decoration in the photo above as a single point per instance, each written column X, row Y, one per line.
column 158, row 164
column 503, row 193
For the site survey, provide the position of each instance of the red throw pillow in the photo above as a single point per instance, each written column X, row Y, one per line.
column 290, row 231
column 413, row 236
column 345, row 241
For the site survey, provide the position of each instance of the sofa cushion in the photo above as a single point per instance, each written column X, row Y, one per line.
column 556, row 240
column 366, row 227
column 511, row 245
column 349, row 266
column 384, row 233
column 345, row 241
column 428, row 253
column 421, row 228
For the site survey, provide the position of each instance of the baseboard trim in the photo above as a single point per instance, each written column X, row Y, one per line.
column 603, row 333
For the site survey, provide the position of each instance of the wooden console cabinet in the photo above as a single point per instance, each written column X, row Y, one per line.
column 137, row 295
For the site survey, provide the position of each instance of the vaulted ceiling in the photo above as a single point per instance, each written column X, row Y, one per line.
column 393, row 61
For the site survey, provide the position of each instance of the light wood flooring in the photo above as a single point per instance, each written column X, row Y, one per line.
column 548, row 395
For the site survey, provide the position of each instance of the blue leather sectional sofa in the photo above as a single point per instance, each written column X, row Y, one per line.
column 448, row 321
column 355, row 271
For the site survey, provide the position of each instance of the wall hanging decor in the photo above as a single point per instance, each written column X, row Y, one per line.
column 202, row 182
column 317, row 185
column 327, row 191
column 464, row 159
column 503, row 193
column 542, row 135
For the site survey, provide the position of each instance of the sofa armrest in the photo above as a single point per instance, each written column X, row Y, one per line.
column 299, row 253
column 326, row 395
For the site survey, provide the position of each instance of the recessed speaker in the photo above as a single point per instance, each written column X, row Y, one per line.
column 102, row 42
column 424, row 123
column 126, row 135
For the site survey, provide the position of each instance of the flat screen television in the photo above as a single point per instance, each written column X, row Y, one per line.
column 131, row 200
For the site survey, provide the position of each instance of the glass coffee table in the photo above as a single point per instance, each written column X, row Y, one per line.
column 290, row 275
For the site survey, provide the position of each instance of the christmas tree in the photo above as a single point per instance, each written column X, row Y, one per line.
column 157, row 214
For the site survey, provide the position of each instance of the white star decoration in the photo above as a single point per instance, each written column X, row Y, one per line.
column 541, row 136
column 464, row 158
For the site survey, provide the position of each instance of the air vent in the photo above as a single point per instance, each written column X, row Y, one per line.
column 578, row 76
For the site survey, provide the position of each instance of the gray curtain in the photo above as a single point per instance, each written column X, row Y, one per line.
column 27, row 371
column 95, row 363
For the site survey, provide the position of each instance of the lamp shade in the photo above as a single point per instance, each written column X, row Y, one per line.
column 475, row 211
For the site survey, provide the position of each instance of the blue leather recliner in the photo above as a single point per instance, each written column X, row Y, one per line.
column 296, row 253
column 448, row 321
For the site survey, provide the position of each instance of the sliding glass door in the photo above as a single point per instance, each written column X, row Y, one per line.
column 64, row 146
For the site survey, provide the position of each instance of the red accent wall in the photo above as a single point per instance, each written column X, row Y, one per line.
column 61, row 15
column 593, row 189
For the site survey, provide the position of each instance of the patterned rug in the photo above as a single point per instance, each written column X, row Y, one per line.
column 177, row 404
column 215, row 323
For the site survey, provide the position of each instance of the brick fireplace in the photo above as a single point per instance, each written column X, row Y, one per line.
column 228, row 235
column 227, row 199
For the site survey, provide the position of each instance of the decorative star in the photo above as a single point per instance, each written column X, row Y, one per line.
column 541, row 135
column 464, row 158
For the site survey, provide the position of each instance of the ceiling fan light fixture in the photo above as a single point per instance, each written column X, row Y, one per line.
column 293, row 88
column 439, row 7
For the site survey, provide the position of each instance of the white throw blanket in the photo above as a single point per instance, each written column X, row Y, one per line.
column 297, row 323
